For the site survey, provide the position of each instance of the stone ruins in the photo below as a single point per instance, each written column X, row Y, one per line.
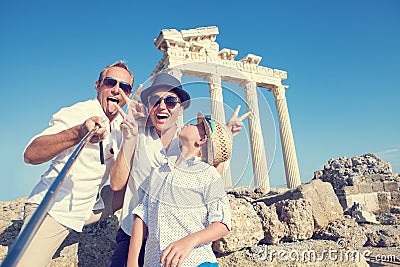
column 302, row 224
column 195, row 52
column 365, row 180
column 347, row 215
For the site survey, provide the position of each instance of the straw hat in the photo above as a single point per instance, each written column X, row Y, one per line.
column 219, row 142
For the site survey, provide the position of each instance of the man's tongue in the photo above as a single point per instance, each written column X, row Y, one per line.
column 112, row 106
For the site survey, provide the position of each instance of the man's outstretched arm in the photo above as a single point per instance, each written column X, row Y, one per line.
column 46, row 147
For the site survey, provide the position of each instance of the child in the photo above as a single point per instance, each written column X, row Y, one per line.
column 185, row 207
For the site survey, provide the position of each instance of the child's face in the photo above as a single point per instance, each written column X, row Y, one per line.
column 192, row 132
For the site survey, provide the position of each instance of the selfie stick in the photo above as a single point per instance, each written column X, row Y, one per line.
column 26, row 235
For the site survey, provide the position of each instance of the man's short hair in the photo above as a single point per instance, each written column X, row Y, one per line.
column 119, row 64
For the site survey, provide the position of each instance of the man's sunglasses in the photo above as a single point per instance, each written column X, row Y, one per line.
column 169, row 101
column 111, row 82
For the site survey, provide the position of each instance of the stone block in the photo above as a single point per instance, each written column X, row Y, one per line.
column 376, row 178
column 371, row 203
column 365, row 188
column 345, row 229
column 351, row 190
column 384, row 199
column 297, row 215
column 377, row 187
column 324, row 202
column 368, row 201
column 390, row 186
column 246, row 230
column 274, row 229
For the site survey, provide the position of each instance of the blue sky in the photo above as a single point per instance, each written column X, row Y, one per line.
column 342, row 59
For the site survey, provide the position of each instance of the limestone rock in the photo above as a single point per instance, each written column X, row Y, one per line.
column 345, row 231
column 287, row 220
column 366, row 180
column 3, row 252
column 251, row 193
column 368, row 169
column 274, row 229
column 384, row 236
column 284, row 219
column 297, row 215
column 246, row 192
column 246, row 227
column 68, row 257
column 364, row 217
column 323, row 200
column 389, row 218
column 304, row 253
column 92, row 247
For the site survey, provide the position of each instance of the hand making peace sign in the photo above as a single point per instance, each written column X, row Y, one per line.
column 136, row 113
column 134, row 107
column 235, row 123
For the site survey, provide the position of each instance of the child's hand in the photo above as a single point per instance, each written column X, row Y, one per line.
column 175, row 253
column 235, row 123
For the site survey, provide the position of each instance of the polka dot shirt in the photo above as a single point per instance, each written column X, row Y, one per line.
column 180, row 201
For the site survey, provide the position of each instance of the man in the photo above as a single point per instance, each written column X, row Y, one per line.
column 73, row 204
column 149, row 147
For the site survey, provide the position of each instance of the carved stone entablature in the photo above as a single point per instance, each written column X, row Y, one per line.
column 263, row 76
column 168, row 38
column 187, row 40
column 203, row 34
column 279, row 92
column 280, row 73
column 198, row 45
column 227, row 54
column 195, row 47
column 251, row 59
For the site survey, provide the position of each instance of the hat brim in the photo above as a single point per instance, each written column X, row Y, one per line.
column 182, row 94
column 202, row 119
column 210, row 148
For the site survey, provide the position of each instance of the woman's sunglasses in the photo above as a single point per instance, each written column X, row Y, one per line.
column 111, row 82
column 169, row 101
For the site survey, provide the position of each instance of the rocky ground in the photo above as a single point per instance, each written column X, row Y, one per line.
column 306, row 226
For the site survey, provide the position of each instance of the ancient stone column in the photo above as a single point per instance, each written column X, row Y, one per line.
column 177, row 74
column 285, row 129
column 218, row 112
column 259, row 158
column 216, row 98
